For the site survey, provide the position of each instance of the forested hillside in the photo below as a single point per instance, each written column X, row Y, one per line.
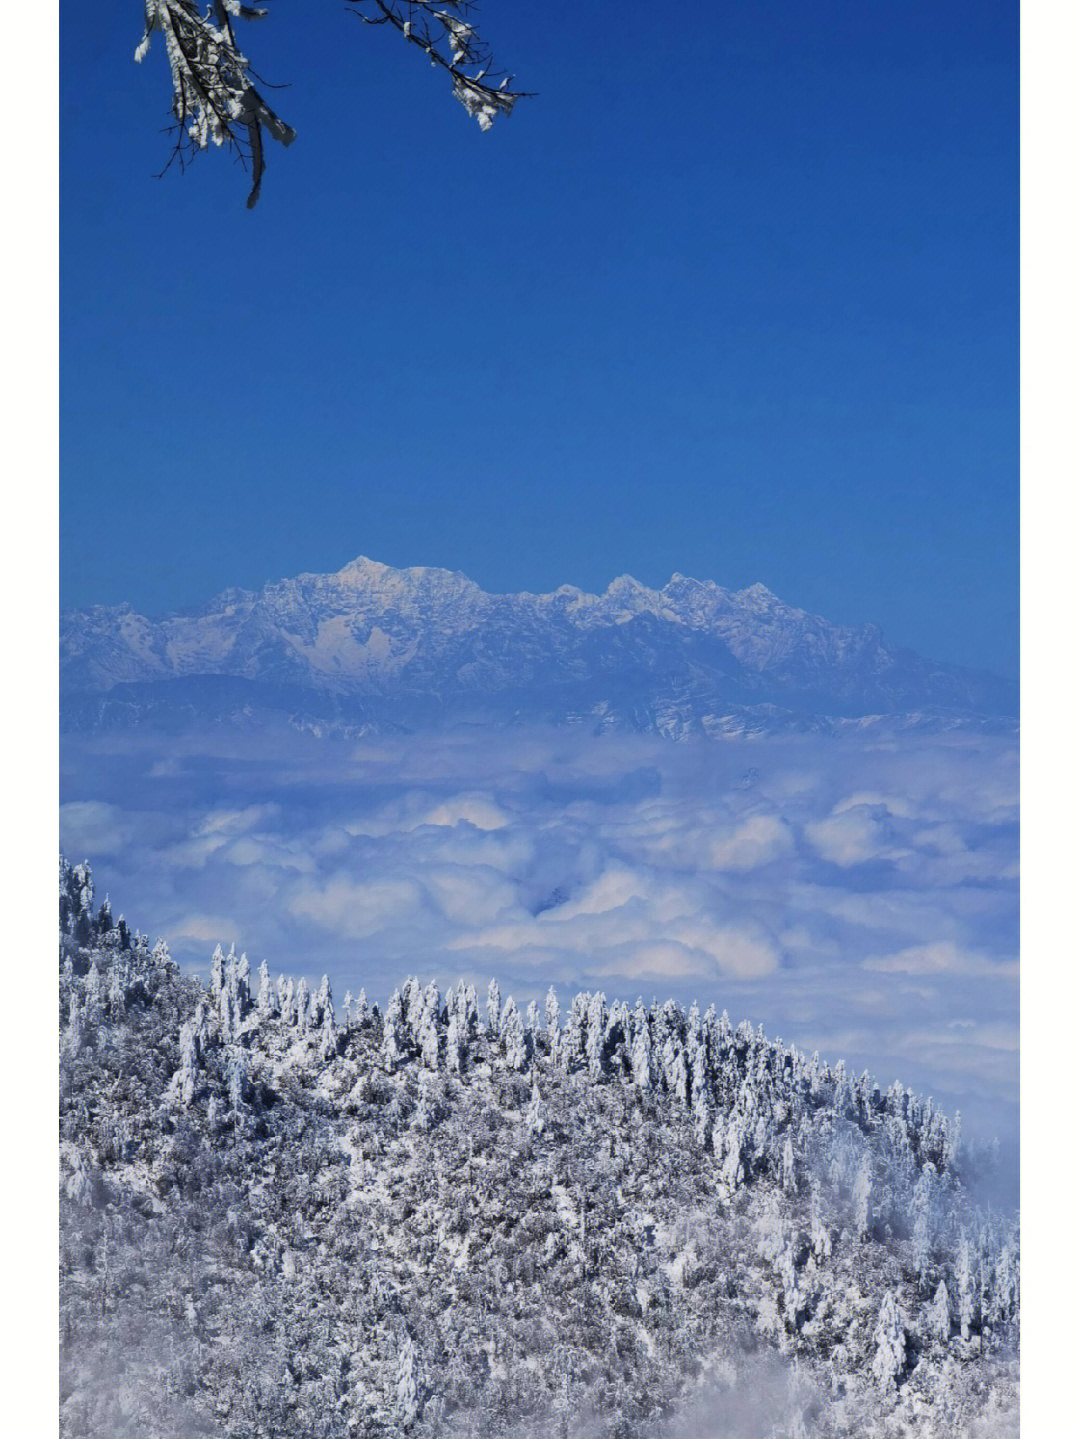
column 282, row 1216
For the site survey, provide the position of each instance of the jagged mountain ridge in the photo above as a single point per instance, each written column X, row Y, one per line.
column 414, row 647
column 279, row 1220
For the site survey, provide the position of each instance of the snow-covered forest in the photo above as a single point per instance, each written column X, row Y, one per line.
column 285, row 1214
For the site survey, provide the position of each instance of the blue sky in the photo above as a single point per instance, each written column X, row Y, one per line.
column 734, row 296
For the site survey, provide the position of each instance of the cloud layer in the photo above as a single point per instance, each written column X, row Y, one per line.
column 854, row 895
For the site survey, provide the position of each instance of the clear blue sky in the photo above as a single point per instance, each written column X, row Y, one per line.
column 735, row 295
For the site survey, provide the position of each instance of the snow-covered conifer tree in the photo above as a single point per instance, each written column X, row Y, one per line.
column 673, row 1064
column 392, row 1027
column 860, row 1198
column 408, row 1404
column 641, row 1060
column 536, row 1115
column 791, row 1296
column 243, row 984
column 266, row 1005
column 79, row 1186
column 302, row 1015
column 890, row 1343
column 939, row 1318
column 513, row 1035
column 493, row 1009
column 921, row 1254
column 594, row 1035
column 820, row 1241
column 429, row 1038
column 532, row 1021
column 73, row 1035
column 93, row 992
column 700, row 1107
column 787, row 1168
column 731, row 1146
column 328, row 1040
column 189, row 1060
column 424, row 1113
column 412, row 1003
column 237, row 1078
column 1007, row 1283
column 455, row 1043
column 323, row 1004
column 966, row 1300
column 951, row 1146
column 115, row 990
column 217, row 971
column 551, row 1016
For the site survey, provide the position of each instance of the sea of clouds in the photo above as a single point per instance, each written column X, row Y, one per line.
column 857, row 895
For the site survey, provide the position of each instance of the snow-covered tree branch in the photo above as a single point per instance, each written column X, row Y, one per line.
column 215, row 101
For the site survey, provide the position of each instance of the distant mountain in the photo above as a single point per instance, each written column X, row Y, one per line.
column 377, row 647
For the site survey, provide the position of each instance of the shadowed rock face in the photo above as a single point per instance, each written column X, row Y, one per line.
column 410, row 648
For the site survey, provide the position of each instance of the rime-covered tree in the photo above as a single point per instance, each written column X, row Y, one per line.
column 536, row 1117
column 408, row 1402
column 594, row 1035
column 266, row 1000
column 890, row 1343
column 787, row 1168
column 266, row 1233
column 237, row 1078
column 393, row 1025
column 429, row 1038
column 513, row 1036
column 551, row 1019
column 493, row 1009
column 641, row 1058
column 860, row 1198
column 217, row 971
column 966, row 1297
column 215, row 101
column 939, row 1316
column 820, row 1239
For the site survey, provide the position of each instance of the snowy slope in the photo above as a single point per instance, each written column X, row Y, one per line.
column 456, row 1218
column 412, row 647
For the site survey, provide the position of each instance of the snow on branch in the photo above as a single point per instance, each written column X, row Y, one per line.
column 441, row 29
column 213, row 98
column 215, row 102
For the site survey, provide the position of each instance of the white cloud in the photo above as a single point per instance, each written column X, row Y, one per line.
column 358, row 909
column 760, row 840
column 854, row 834
column 942, row 957
column 791, row 881
column 94, row 828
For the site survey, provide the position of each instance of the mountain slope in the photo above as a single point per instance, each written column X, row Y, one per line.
column 455, row 1219
column 409, row 648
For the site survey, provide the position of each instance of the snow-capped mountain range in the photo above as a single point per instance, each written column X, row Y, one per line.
column 408, row 648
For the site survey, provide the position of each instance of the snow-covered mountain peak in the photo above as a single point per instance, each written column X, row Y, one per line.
column 761, row 594
column 414, row 646
column 362, row 571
